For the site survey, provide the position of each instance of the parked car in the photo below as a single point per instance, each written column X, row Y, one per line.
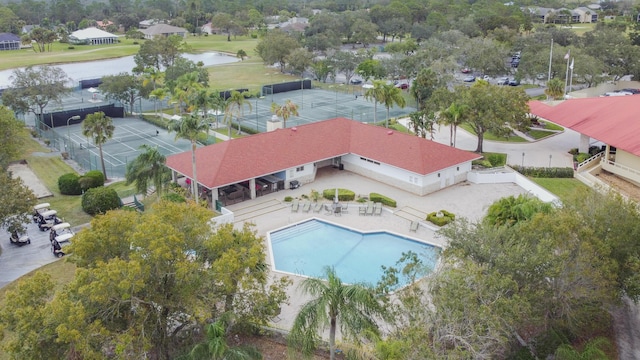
column 503, row 81
column 355, row 81
column 402, row 86
column 470, row 78
column 465, row 70
column 630, row 90
column 515, row 63
column 514, row 82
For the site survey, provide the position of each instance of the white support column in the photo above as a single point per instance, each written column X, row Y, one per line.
column 252, row 187
column 584, row 143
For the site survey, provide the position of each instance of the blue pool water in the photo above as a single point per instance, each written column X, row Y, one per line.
column 307, row 247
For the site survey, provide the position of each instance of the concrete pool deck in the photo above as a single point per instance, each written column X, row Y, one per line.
column 270, row 212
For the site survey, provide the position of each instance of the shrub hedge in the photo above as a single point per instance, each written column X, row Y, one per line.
column 92, row 179
column 100, row 200
column 375, row 197
column 446, row 218
column 69, row 184
column 543, row 172
column 343, row 194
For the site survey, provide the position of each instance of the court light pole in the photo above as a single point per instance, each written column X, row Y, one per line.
column 74, row 117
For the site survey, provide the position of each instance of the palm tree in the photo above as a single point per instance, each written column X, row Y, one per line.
column 187, row 86
column 215, row 346
column 389, row 96
column 235, row 106
column 422, row 123
column 354, row 306
column 374, row 94
column 159, row 93
column 148, row 167
column 285, row 111
column 189, row 128
column 453, row 116
column 592, row 350
column 555, row 89
column 100, row 128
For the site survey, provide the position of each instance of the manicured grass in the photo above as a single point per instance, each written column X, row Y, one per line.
column 400, row 128
column 539, row 134
column 552, row 126
column 62, row 54
column 251, row 73
column 492, row 137
column 563, row 188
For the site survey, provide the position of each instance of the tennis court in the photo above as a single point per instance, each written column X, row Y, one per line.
column 318, row 104
column 122, row 148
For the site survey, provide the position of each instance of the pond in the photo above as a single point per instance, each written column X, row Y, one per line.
column 99, row 68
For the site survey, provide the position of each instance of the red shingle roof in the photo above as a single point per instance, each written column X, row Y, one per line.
column 611, row 119
column 267, row 153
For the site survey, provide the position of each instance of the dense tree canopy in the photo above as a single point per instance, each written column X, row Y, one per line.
column 145, row 284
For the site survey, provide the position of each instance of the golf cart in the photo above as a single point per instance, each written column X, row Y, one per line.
column 61, row 233
column 294, row 184
column 39, row 209
column 47, row 219
column 56, row 249
column 18, row 235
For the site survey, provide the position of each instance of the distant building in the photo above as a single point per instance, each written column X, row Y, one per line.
column 27, row 28
column 163, row 30
column 92, row 36
column 9, row 41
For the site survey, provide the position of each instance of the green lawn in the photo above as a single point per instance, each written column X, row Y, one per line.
column 61, row 53
column 492, row 137
column 563, row 188
column 539, row 134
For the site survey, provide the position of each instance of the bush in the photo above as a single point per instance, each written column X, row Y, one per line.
column 496, row 159
column 375, row 197
column 543, row 172
column 442, row 220
column 288, row 199
column 174, row 197
column 71, row 47
column 91, row 179
column 343, row 194
column 100, row 200
column 69, row 184
column 581, row 157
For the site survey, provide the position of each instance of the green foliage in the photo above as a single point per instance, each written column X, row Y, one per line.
column 17, row 201
column 544, row 172
column 441, row 218
column 100, row 200
column 581, row 157
column 546, row 343
column 92, row 179
column 375, row 197
column 69, row 184
column 288, row 199
column 510, row 210
column 343, row 194
column 496, row 159
column 174, row 197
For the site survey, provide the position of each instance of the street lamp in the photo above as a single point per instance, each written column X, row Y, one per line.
column 74, row 117
column 523, row 159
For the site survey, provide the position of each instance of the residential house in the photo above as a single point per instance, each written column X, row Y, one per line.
column 92, row 36
column 163, row 30
column 9, row 41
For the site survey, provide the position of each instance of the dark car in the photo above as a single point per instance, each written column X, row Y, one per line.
column 355, row 82
column 514, row 82
column 465, row 70
column 402, row 86
column 515, row 63
column 633, row 91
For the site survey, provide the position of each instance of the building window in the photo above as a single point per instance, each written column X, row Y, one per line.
column 300, row 168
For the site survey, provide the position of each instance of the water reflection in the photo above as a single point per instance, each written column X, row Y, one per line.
column 99, row 68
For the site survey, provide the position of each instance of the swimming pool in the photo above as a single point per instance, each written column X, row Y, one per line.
column 305, row 248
